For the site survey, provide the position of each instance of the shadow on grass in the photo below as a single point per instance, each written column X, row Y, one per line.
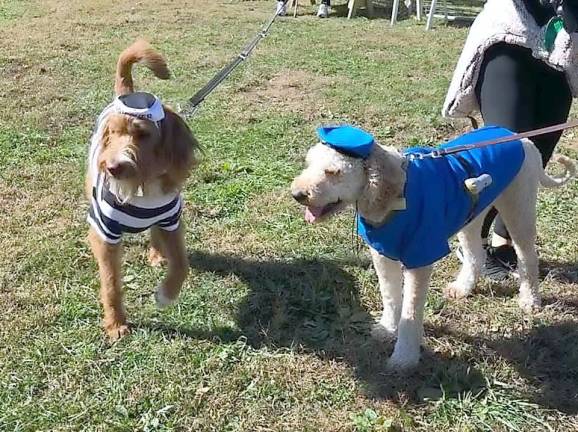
column 458, row 22
column 219, row 334
column 546, row 357
column 563, row 272
column 560, row 272
column 313, row 305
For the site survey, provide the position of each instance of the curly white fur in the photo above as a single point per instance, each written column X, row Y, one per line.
column 376, row 183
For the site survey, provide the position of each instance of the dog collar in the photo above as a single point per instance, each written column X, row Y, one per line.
column 141, row 105
column 348, row 140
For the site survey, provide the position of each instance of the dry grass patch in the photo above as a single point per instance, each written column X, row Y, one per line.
column 295, row 91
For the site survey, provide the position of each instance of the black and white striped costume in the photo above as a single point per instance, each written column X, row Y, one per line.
column 108, row 216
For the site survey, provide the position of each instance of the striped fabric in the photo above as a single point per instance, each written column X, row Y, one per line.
column 109, row 218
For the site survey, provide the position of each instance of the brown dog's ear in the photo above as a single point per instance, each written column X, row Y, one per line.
column 105, row 136
column 179, row 150
column 385, row 181
column 332, row 171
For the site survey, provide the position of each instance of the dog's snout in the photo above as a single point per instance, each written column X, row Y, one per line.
column 118, row 169
column 300, row 196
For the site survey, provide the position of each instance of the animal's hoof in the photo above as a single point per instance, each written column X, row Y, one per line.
column 530, row 304
column 162, row 300
column 454, row 290
column 382, row 332
column 116, row 331
column 156, row 259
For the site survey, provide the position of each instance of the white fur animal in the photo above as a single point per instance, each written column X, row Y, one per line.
column 331, row 181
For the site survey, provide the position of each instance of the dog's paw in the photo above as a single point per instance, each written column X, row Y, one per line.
column 455, row 290
column 402, row 362
column 156, row 259
column 383, row 332
column 116, row 331
column 161, row 299
column 529, row 304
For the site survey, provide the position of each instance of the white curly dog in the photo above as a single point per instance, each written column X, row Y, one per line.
column 375, row 185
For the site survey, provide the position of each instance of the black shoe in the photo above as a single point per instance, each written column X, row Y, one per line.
column 501, row 263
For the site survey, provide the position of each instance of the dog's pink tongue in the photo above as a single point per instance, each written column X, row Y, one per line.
column 312, row 213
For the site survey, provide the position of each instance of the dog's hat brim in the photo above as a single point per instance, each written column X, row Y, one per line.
column 346, row 139
column 141, row 105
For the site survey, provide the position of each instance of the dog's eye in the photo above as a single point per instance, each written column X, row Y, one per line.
column 143, row 133
column 332, row 171
column 140, row 129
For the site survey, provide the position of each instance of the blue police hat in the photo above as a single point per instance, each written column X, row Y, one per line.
column 346, row 139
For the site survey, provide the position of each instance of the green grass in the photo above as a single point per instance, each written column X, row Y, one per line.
column 272, row 330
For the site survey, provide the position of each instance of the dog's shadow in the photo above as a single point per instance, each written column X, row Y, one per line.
column 314, row 305
column 546, row 358
column 304, row 302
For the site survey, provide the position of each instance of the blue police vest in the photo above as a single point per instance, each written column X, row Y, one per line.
column 437, row 202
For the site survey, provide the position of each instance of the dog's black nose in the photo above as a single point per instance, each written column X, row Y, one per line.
column 300, row 196
column 117, row 169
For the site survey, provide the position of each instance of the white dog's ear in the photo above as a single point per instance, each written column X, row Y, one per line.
column 385, row 182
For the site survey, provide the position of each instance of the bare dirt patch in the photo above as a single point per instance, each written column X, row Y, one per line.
column 294, row 91
column 13, row 68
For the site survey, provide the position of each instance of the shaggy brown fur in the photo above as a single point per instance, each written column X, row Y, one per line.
column 160, row 161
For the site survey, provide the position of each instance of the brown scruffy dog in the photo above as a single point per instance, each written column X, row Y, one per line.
column 141, row 153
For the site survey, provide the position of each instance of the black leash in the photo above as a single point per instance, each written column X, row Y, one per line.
column 487, row 143
column 355, row 243
column 193, row 103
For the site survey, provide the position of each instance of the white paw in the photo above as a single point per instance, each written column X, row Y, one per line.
column 456, row 290
column 162, row 300
column 530, row 303
column 403, row 360
column 384, row 331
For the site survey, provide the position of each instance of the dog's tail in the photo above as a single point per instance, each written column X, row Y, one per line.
column 138, row 52
column 552, row 182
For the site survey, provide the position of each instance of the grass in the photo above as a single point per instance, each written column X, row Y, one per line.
column 271, row 333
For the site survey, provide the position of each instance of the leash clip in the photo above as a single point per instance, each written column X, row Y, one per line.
column 414, row 156
column 434, row 154
column 189, row 111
